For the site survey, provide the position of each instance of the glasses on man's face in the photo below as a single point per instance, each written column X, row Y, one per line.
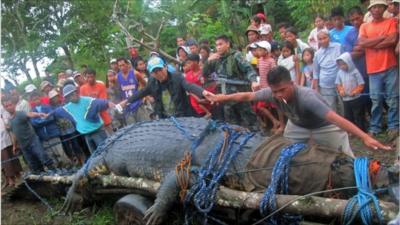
column 121, row 65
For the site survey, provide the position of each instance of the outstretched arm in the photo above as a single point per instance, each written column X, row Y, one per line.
column 237, row 97
column 341, row 122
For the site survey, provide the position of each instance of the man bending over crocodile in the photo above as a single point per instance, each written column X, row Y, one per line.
column 309, row 115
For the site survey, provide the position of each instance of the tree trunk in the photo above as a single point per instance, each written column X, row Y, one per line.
column 69, row 57
column 34, row 62
column 26, row 72
column 226, row 197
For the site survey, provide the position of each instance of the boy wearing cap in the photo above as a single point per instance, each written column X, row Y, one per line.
column 379, row 39
column 68, row 134
column 46, row 87
column 168, row 90
column 48, row 132
column 84, row 112
column 79, row 79
column 30, row 88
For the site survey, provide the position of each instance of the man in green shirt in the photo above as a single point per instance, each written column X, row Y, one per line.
column 233, row 74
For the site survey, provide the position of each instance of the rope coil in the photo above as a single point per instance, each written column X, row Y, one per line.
column 280, row 182
column 359, row 204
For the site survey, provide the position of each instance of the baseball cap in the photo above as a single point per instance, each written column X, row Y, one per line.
column 53, row 93
column 113, row 61
column 44, row 84
column 30, row 88
column 265, row 45
column 68, row 89
column 154, row 62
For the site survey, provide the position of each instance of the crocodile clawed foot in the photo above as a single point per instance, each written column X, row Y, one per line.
column 153, row 215
column 73, row 202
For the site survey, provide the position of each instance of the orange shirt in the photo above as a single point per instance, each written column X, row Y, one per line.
column 379, row 60
column 98, row 90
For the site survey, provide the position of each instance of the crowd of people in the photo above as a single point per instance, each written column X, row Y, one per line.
column 301, row 89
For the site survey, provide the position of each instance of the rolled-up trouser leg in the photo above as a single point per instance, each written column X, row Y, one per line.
column 329, row 136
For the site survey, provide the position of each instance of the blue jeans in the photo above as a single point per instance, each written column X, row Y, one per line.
column 94, row 139
column 387, row 83
column 35, row 155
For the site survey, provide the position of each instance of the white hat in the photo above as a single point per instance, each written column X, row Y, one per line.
column 265, row 45
column 113, row 61
column 53, row 93
column 376, row 2
column 252, row 46
column 265, row 29
column 30, row 88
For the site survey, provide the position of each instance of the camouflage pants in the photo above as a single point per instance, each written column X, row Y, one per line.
column 240, row 114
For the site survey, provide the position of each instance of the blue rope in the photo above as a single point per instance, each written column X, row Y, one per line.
column 203, row 192
column 37, row 195
column 211, row 126
column 359, row 204
column 279, row 181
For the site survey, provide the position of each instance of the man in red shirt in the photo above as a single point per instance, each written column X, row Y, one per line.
column 97, row 89
column 379, row 38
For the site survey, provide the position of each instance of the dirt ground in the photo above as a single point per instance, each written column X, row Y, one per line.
column 35, row 213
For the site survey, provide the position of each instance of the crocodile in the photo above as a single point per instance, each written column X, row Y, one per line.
column 152, row 150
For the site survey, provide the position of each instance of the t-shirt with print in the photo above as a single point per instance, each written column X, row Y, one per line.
column 308, row 75
column 307, row 108
column 22, row 129
column 379, row 60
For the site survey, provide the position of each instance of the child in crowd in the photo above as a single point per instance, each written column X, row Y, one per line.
column 350, row 84
column 275, row 51
column 193, row 75
column 289, row 60
column 265, row 64
column 25, row 136
column 114, row 95
column 312, row 39
column 48, row 132
column 204, row 54
column 254, row 60
column 307, row 71
column 265, row 61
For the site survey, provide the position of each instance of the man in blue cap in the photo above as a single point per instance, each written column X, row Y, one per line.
column 168, row 89
column 84, row 112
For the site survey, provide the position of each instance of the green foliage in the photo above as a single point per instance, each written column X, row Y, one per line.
column 84, row 33
column 303, row 12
